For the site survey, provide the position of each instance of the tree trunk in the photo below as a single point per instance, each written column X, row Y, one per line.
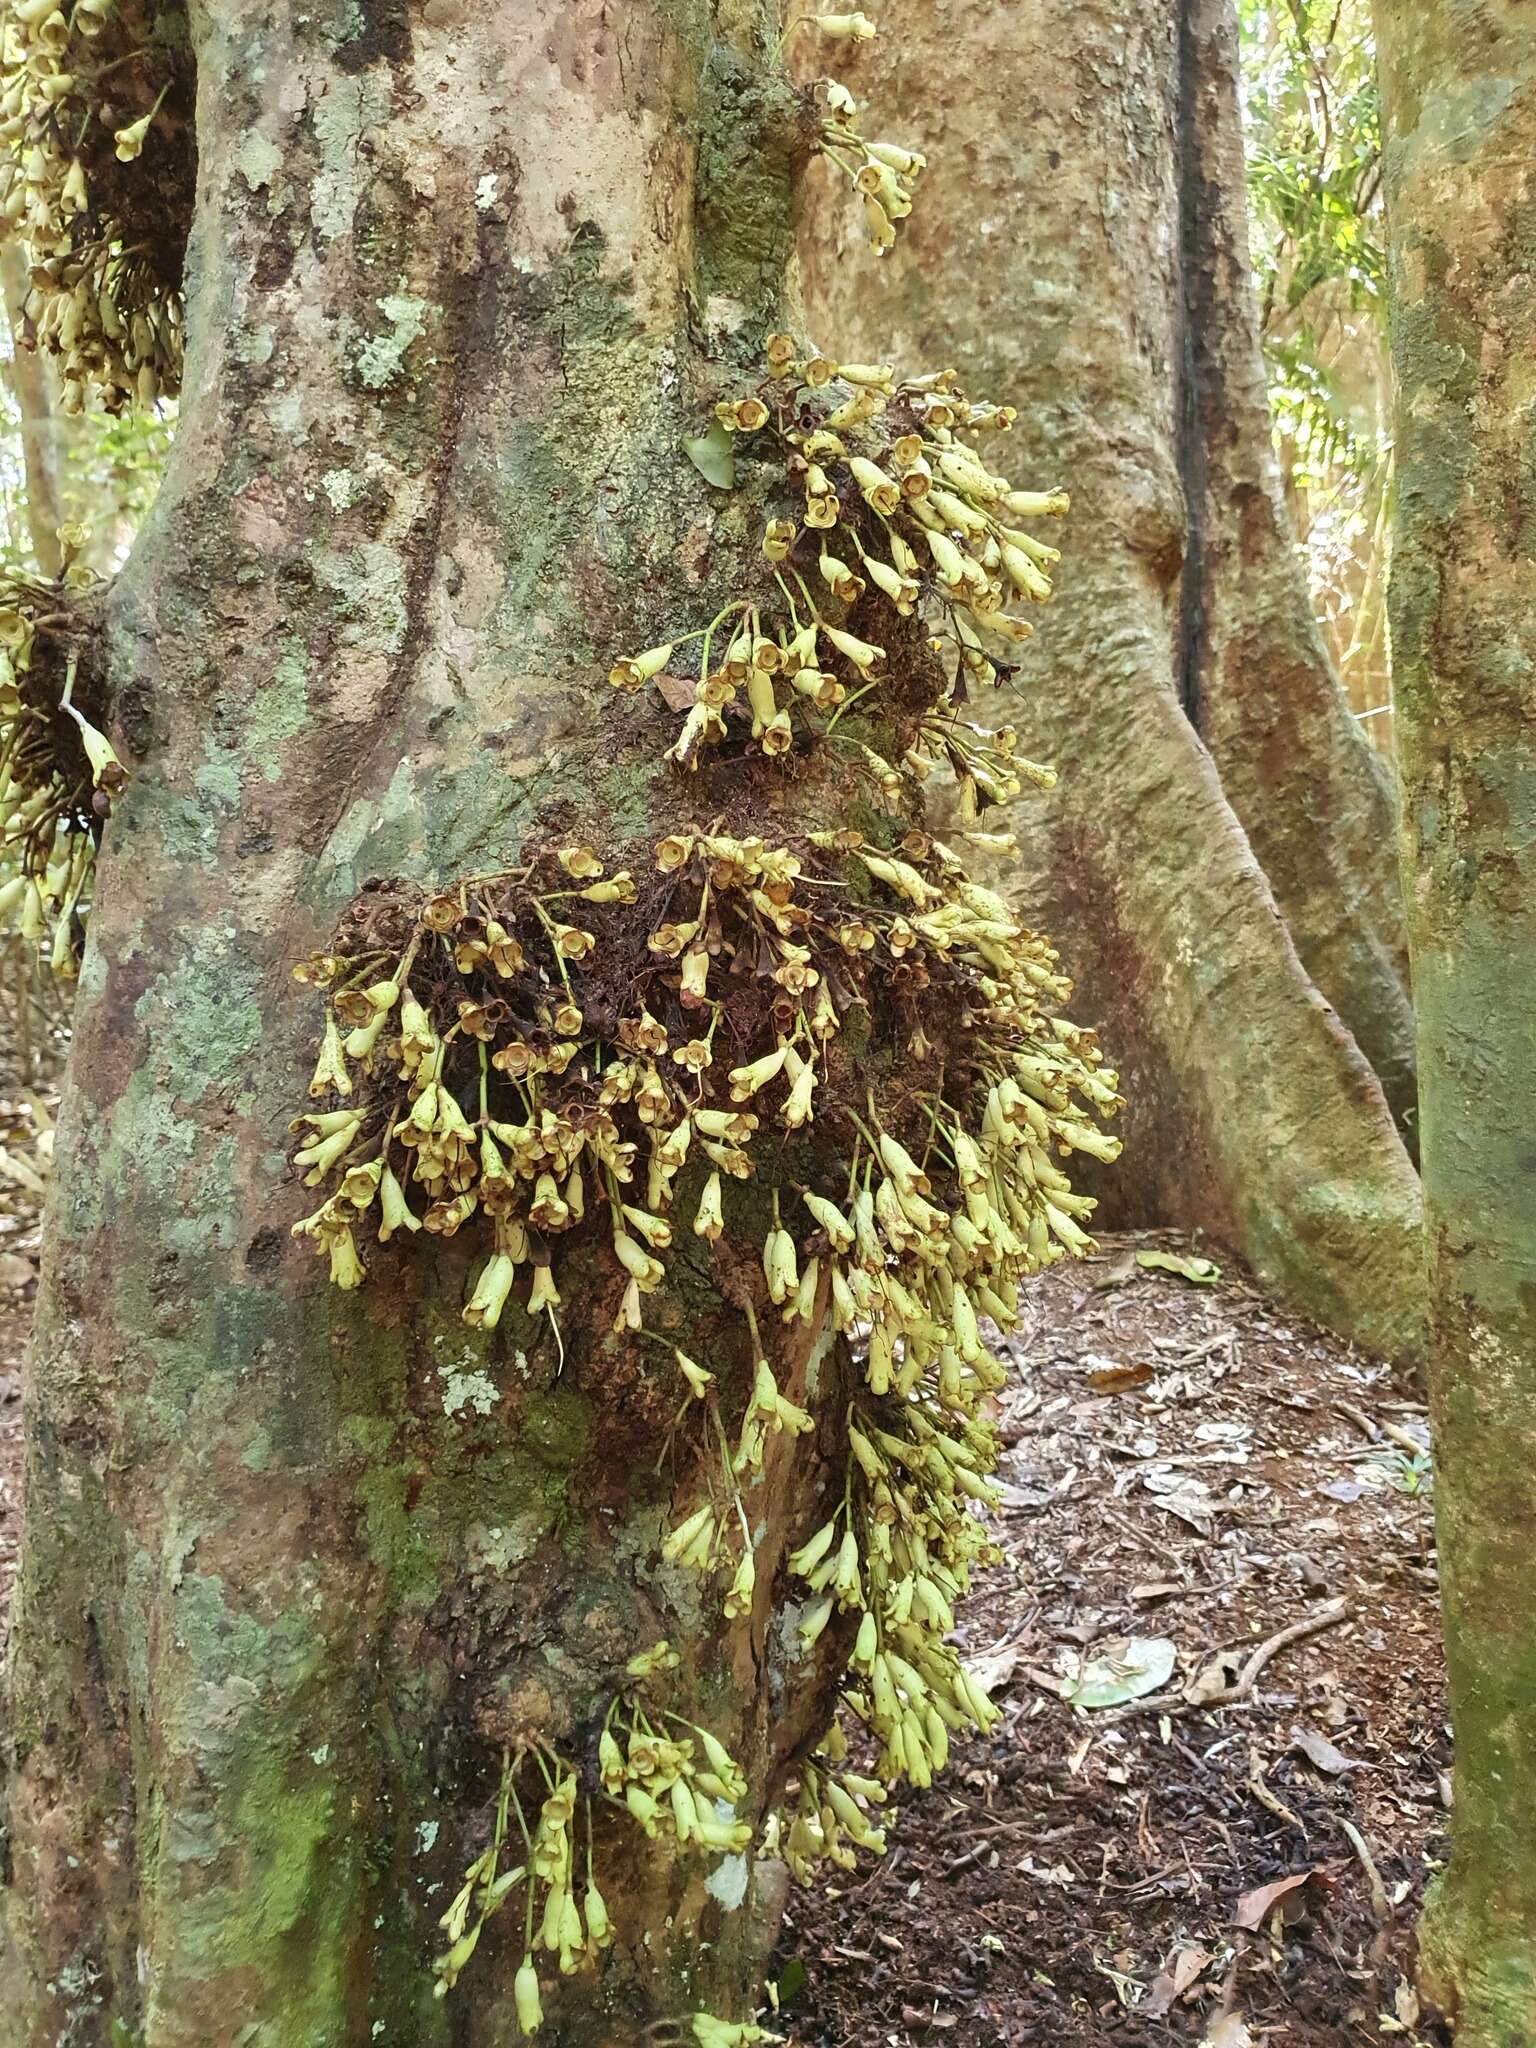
column 1313, row 796
column 300, row 1564
column 1460, row 110
column 318, row 1581
column 1056, row 249
column 32, row 382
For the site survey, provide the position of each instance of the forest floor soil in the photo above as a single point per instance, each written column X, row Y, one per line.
column 1192, row 1478
column 1190, row 1472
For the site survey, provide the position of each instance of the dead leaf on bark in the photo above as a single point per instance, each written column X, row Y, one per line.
column 713, row 455
column 678, row 693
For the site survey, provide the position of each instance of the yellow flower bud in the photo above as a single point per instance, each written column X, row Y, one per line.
column 130, row 140
column 780, row 1268
column 395, row 1211
column 878, row 489
column 347, row 1270
column 844, row 28
column 525, row 1997
column 698, row 1379
column 866, row 658
column 483, row 1309
column 634, row 674
column 738, row 1601
column 840, row 579
column 709, row 1221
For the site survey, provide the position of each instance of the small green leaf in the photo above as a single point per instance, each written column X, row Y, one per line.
column 792, row 1981
column 713, row 455
column 1204, row 1272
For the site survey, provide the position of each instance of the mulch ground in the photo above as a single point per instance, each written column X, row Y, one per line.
column 1196, row 1484
column 1190, row 1473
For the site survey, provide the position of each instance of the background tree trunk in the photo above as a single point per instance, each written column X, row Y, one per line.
column 32, row 381
column 1460, row 106
column 1059, row 248
column 287, row 1591
column 1315, row 799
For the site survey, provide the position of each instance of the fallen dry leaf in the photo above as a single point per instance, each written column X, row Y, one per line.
column 1318, row 1750
column 1254, row 1907
column 993, row 1669
column 1112, row 1273
column 1170, row 1985
column 1118, row 1379
column 1219, row 1676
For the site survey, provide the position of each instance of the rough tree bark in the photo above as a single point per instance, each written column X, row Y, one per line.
column 1460, row 110
column 287, row 1592
column 1074, row 247
column 31, row 380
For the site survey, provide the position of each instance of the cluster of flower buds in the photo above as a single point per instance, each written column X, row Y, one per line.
column 673, row 1784
column 883, row 174
column 459, row 1060
column 676, row 1784
column 887, row 503
column 565, row 1914
column 58, row 770
column 81, row 87
column 486, row 1053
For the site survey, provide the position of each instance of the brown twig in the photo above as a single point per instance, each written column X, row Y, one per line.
column 1403, row 1438
column 1327, row 1616
column 1381, row 1905
column 1267, row 1798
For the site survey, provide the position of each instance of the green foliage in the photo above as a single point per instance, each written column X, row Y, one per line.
column 109, row 468
column 1313, row 131
column 1313, row 123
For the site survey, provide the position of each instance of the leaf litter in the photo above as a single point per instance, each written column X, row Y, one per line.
column 1194, row 1860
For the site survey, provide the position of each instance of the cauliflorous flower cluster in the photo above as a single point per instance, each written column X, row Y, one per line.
column 563, row 1051
column 830, row 1057
column 82, row 86
column 58, row 771
column 886, row 502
